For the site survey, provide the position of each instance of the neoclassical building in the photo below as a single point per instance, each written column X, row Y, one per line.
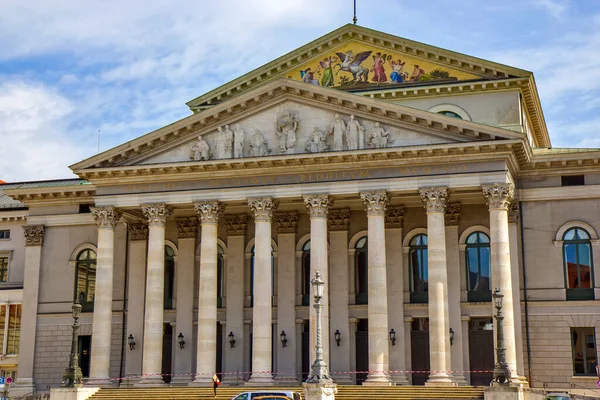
column 414, row 179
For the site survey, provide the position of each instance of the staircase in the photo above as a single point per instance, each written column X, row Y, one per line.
column 344, row 393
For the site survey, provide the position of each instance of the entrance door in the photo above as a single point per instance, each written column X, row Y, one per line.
column 305, row 350
column 419, row 343
column 85, row 350
column 219, row 366
column 481, row 351
column 362, row 350
column 167, row 351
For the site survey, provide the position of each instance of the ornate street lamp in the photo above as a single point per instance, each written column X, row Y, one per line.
column 451, row 336
column 283, row 339
column 319, row 373
column 393, row 337
column 180, row 340
column 131, row 342
column 501, row 371
column 338, row 337
column 231, row 337
column 72, row 376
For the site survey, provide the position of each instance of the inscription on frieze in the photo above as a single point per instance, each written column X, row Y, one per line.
column 306, row 177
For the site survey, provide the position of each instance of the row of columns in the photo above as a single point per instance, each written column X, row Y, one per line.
column 499, row 197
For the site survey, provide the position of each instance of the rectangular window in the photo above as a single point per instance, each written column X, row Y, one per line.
column 3, row 269
column 5, row 234
column 583, row 341
column 572, row 180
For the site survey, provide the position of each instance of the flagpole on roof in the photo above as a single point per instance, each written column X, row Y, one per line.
column 354, row 19
column 98, row 141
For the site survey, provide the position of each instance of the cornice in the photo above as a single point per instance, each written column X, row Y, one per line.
column 315, row 49
column 281, row 90
column 57, row 195
column 62, row 220
column 559, row 193
column 13, row 216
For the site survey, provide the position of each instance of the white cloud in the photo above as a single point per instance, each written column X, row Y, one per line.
column 554, row 7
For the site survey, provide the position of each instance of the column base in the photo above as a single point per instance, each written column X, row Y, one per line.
column 98, row 382
column 319, row 391
column 286, row 381
column 129, row 382
column 80, row 393
column 519, row 381
column 400, row 379
column 440, row 380
column 232, row 380
column 202, row 380
column 342, row 379
column 151, row 381
column 261, row 380
column 22, row 387
column 378, row 379
column 181, row 380
column 459, row 379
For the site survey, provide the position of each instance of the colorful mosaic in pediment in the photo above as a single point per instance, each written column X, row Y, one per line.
column 360, row 65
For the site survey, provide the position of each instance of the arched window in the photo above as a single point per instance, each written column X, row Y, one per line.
column 220, row 276
column 477, row 253
column 450, row 114
column 361, row 271
column 85, row 279
column 577, row 253
column 252, row 275
column 306, row 274
column 419, row 275
column 169, row 277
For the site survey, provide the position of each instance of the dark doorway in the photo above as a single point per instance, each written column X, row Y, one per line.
column 167, row 351
column 419, row 344
column 85, row 351
column 305, row 350
column 481, row 350
column 219, row 366
column 362, row 350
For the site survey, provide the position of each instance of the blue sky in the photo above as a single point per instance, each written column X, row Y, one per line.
column 71, row 67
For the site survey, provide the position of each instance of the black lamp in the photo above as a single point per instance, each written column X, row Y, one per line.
column 451, row 336
column 231, row 337
column 393, row 337
column 131, row 342
column 283, row 338
column 338, row 337
column 180, row 340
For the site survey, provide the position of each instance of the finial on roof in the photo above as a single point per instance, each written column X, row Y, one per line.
column 354, row 19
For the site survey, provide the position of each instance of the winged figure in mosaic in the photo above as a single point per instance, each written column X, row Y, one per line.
column 351, row 63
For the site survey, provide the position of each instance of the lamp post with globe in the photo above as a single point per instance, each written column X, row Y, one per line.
column 72, row 377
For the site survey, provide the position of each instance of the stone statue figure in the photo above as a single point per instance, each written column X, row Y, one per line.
column 316, row 142
column 224, row 142
column 286, row 133
column 199, row 150
column 238, row 142
column 378, row 137
column 354, row 134
column 258, row 145
column 337, row 129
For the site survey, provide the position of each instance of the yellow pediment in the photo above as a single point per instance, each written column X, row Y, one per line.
column 362, row 65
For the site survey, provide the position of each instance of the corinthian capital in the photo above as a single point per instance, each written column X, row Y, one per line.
column 499, row 195
column 434, row 198
column 187, row 227
column 138, row 230
column 339, row 220
column 287, row 222
column 394, row 217
column 375, row 202
column 263, row 208
column 452, row 215
column 209, row 211
column 34, row 235
column 106, row 217
column 157, row 214
column 236, row 225
column 318, row 205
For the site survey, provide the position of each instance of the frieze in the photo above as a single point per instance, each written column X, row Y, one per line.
column 306, row 177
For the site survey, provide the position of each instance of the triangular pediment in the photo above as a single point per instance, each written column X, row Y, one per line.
column 354, row 57
column 261, row 110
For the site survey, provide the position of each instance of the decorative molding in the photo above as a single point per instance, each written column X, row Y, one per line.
column 435, row 198
column 318, row 205
column 394, row 217
column 187, row 227
column 262, row 208
column 106, row 217
column 409, row 235
column 375, row 202
column 236, row 224
column 138, row 230
column 462, row 240
column 157, row 214
column 286, row 222
column 34, row 235
column 499, row 195
column 339, row 219
column 575, row 224
column 513, row 212
column 452, row 215
column 209, row 211
column 451, row 107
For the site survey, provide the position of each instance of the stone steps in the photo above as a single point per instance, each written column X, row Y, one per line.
column 344, row 393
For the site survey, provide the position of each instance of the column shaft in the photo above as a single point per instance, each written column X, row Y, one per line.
column 379, row 355
column 106, row 217
column 155, row 279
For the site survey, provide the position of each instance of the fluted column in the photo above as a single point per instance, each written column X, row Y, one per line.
column 34, row 238
column 379, row 353
column 206, row 359
column 106, row 218
column 439, row 324
column 318, row 206
column 262, row 208
column 499, row 197
column 157, row 215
